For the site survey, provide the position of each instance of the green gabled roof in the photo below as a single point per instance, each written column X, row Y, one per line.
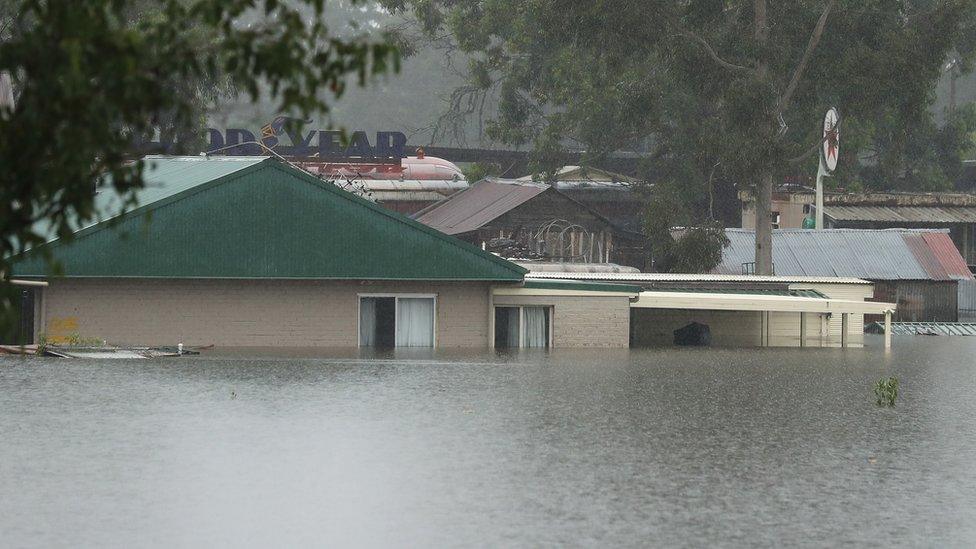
column 259, row 218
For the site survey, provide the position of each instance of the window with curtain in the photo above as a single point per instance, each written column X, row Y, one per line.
column 522, row 326
column 367, row 321
column 536, row 326
column 415, row 322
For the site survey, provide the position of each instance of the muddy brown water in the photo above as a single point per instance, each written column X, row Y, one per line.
column 670, row 447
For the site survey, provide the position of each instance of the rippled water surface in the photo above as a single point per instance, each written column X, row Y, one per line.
column 658, row 447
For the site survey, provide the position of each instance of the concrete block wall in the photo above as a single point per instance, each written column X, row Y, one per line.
column 582, row 321
column 293, row 313
column 655, row 327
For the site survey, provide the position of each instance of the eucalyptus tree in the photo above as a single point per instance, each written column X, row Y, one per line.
column 729, row 90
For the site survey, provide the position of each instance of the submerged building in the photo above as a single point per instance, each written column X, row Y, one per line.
column 253, row 252
column 250, row 251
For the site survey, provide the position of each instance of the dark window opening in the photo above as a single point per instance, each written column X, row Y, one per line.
column 377, row 322
column 506, row 327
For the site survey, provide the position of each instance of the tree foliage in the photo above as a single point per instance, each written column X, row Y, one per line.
column 93, row 76
column 716, row 90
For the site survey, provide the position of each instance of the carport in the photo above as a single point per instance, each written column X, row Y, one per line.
column 778, row 314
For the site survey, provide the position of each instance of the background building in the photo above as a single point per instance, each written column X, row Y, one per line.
column 919, row 269
column 527, row 220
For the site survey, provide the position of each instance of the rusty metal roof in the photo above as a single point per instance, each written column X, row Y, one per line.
column 885, row 254
column 478, row 205
column 902, row 214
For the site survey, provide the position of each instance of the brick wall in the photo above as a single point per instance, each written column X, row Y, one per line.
column 583, row 321
column 294, row 313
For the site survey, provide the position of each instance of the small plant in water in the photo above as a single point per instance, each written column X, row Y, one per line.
column 886, row 391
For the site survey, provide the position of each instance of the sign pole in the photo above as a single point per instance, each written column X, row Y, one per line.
column 819, row 206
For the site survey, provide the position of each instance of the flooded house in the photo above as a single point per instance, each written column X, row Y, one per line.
column 253, row 252
column 527, row 220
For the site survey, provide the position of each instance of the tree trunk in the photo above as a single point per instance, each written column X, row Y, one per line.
column 764, row 228
column 764, row 183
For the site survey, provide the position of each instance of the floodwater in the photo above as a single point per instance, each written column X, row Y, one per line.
column 663, row 447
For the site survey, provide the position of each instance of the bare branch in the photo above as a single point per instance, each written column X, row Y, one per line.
column 712, row 53
column 784, row 101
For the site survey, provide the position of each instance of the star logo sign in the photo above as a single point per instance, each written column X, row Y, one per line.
column 831, row 138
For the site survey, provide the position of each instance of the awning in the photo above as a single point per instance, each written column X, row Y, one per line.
column 756, row 302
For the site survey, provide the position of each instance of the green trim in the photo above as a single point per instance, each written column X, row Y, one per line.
column 573, row 285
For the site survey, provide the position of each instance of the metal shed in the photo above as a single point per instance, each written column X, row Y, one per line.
column 919, row 269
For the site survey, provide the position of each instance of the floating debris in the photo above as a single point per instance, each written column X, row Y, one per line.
column 99, row 352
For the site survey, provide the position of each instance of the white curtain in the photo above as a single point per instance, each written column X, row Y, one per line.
column 367, row 321
column 536, row 329
column 415, row 322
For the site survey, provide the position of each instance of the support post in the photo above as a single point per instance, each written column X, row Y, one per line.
column 821, row 172
column 803, row 330
column 843, row 330
column 491, row 317
column 887, row 330
column 824, row 331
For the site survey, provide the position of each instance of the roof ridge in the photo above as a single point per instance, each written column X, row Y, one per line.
column 404, row 219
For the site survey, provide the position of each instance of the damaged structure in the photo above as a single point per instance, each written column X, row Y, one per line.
column 533, row 221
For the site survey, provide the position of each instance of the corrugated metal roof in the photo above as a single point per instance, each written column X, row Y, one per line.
column 260, row 218
column 479, row 205
column 946, row 256
column 924, row 328
column 744, row 291
column 164, row 176
column 680, row 277
column 902, row 214
column 886, row 254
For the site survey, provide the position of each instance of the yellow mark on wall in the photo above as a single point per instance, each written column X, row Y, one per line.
column 60, row 328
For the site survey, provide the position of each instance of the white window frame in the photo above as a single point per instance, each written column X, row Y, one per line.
column 396, row 313
column 521, row 308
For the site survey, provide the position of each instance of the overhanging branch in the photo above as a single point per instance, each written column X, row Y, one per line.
column 806, row 154
column 784, row 101
column 712, row 53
